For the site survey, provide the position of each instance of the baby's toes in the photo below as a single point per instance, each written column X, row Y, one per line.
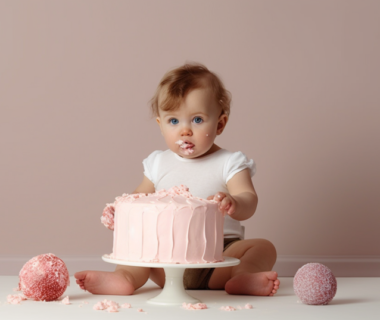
column 274, row 291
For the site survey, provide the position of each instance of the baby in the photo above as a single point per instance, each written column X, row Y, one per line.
column 192, row 107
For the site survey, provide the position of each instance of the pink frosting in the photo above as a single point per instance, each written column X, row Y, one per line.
column 185, row 146
column 109, row 305
column 168, row 226
column 66, row 300
column 126, row 305
column 98, row 306
column 196, row 306
column 16, row 298
column 112, row 309
column 228, row 308
column 107, row 218
column 248, row 306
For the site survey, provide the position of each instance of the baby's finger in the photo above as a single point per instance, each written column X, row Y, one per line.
column 219, row 196
column 223, row 204
column 210, row 197
column 231, row 209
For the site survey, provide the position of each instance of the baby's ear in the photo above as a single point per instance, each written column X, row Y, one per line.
column 223, row 119
column 158, row 120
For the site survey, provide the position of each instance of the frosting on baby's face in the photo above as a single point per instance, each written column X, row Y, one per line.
column 191, row 129
column 186, row 146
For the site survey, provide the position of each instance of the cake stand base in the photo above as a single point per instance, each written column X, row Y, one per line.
column 174, row 293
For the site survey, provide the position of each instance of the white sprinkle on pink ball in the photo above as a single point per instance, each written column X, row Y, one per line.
column 315, row 284
column 44, row 277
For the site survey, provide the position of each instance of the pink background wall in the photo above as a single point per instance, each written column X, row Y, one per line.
column 76, row 78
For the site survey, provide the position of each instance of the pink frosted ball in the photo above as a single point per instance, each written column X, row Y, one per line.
column 44, row 277
column 315, row 284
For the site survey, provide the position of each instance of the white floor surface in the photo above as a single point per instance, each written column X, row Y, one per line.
column 356, row 298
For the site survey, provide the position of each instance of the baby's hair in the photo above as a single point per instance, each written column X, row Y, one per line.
column 178, row 82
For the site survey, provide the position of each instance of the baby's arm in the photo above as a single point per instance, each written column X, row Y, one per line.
column 146, row 186
column 241, row 201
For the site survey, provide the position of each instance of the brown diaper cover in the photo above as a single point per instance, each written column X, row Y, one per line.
column 198, row 278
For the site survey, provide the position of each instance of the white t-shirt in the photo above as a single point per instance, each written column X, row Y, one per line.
column 203, row 176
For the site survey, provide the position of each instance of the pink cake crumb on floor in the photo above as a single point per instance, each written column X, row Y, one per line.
column 126, row 305
column 248, row 306
column 112, row 309
column 66, row 300
column 109, row 305
column 140, row 310
column 197, row 306
column 16, row 298
column 228, row 308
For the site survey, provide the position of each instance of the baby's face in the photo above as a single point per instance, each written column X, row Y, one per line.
column 190, row 130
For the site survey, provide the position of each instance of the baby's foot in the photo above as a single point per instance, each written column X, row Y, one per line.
column 256, row 284
column 102, row 282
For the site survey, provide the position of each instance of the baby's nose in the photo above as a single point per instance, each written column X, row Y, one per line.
column 186, row 131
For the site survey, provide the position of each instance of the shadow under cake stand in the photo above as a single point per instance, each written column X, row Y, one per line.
column 173, row 292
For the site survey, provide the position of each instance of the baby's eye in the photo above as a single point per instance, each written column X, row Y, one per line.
column 198, row 120
column 173, row 121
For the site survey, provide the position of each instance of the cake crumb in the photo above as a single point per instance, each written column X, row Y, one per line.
column 227, row 308
column 106, row 305
column 66, row 300
column 126, row 305
column 16, row 298
column 112, row 309
column 196, row 306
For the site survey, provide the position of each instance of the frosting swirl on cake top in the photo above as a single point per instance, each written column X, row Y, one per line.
column 178, row 194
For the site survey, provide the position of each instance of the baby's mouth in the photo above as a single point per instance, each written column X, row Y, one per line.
column 186, row 146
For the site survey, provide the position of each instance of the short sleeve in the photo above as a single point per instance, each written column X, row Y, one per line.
column 150, row 165
column 237, row 162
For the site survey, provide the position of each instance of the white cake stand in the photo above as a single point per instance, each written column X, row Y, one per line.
column 174, row 292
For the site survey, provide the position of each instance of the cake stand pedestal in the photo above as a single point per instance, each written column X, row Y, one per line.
column 174, row 293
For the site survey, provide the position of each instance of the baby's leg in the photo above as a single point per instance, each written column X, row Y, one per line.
column 253, row 276
column 123, row 281
column 157, row 275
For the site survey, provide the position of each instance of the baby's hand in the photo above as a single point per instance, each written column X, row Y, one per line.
column 227, row 204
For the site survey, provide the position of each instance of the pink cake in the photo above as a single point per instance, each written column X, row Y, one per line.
column 168, row 226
